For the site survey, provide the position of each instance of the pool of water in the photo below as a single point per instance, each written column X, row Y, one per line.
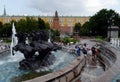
column 9, row 64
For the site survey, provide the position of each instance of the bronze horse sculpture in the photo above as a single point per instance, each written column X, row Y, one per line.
column 38, row 44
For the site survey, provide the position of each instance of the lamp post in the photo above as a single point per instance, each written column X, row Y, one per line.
column 111, row 23
column 76, row 34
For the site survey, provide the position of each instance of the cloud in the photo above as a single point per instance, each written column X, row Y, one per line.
column 72, row 7
column 96, row 5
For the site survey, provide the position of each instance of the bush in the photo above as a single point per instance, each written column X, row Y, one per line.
column 6, row 40
column 73, row 40
column 100, row 38
column 68, row 40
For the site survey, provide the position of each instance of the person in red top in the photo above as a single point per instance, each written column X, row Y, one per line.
column 96, row 53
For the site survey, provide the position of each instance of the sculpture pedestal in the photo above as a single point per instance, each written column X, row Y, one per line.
column 112, row 32
column 34, row 63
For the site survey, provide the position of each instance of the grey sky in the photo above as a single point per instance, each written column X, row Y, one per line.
column 64, row 7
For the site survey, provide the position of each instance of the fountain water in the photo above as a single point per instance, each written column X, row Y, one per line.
column 27, row 41
column 14, row 39
column 49, row 39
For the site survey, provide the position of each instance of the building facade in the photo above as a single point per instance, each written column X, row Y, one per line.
column 62, row 23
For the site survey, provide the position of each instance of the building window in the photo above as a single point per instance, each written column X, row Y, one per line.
column 50, row 20
column 62, row 25
column 17, row 20
column 70, row 24
column 79, row 20
column 69, row 20
column 61, row 21
column 7, row 21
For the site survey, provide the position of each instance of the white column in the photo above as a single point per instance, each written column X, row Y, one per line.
column 112, row 41
column 118, row 42
column 115, row 41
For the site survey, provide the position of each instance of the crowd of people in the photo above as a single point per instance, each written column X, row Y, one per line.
column 4, row 47
column 87, row 50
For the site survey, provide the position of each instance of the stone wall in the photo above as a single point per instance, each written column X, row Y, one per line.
column 67, row 74
column 107, row 56
column 114, row 69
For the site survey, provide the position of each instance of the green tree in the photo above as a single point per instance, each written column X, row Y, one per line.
column 85, row 30
column 98, row 24
column 55, row 35
column 41, row 24
column 6, row 30
column 77, row 28
column 27, row 25
column 1, row 24
column 21, row 25
column 47, row 25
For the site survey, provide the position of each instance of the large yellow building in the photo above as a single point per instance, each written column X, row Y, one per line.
column 66, row 22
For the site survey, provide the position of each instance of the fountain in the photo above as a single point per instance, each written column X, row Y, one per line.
column 49, row 39
column 14, row 39
column 9, row 64
column 38, row 44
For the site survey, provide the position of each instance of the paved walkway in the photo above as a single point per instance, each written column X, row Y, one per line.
column 93, row 68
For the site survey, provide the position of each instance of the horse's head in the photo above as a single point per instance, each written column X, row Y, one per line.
column 21, row 37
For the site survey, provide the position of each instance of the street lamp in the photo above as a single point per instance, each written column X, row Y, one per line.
column 111, row 23
column 76, row 33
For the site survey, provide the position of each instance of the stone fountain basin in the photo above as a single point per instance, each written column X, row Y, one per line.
column 13, row 65
column 67, row 74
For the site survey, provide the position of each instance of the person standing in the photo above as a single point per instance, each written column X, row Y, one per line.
column 93, row 52
column 78, row 50
column 84, row 51
column 96, row 53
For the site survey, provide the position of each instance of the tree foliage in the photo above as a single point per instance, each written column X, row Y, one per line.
column 27, row 25
column 99, row 23
column 41, row 24
column 55, row 35
column 5, row 31
column 77, row 28
column 23, row 25
column 1, row 25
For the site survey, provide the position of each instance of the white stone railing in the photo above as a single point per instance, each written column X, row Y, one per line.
column 115, row 41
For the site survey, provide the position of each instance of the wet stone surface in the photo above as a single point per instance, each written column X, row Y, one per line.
column 92, row 70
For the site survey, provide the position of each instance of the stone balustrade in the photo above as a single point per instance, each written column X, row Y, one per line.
column 114, row 69
column 107, row 56
column 115, row 41
column 67, row 74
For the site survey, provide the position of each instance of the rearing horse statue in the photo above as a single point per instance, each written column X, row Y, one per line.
column 24, row 48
